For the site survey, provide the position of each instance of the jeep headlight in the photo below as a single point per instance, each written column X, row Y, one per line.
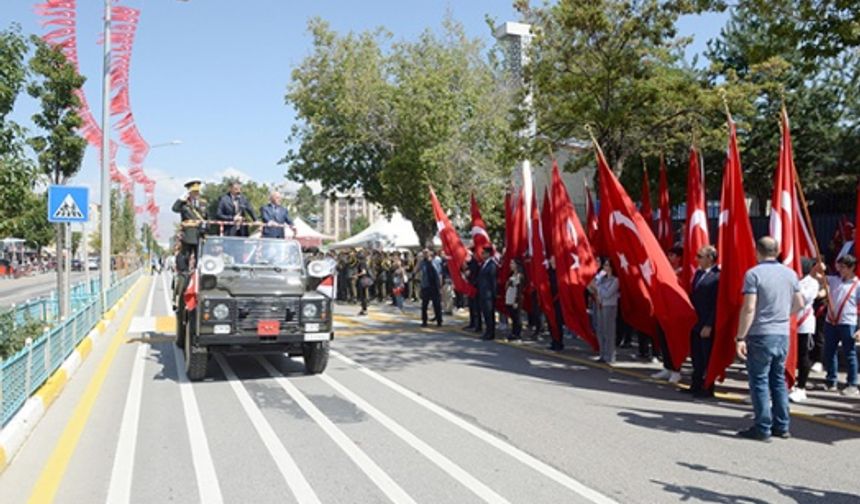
column 310, row 310
column 221, row 311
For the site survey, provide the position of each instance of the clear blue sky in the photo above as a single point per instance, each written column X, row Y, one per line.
column 213, row 73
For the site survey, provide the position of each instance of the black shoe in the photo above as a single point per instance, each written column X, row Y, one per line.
column 423, row 324
column 487, row 337
column 439, row 323
column 556, row 347
column 753, row 433
column 690, row 391
column 781, row 434
column 468, row 328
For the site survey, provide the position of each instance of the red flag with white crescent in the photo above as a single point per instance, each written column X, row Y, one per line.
column 538, row 274
column 664, row 221
column 546, row 223
column 645, row 205
column 190, row 294
column 480, row 237
column 575, row 266
column 647, row 279
column 453, row 247
column 696, row 229
column 736, row 255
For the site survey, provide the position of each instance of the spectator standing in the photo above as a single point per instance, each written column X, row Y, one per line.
column 398, row 284
column 487, row 293
column 514, row 300
column 771, row 294
column 810, row 289
column 557, row 331
column 431, row 283
column 704, row 298
column 363, row 281
column 605, row 289
column 840, row 326
column 473, row 268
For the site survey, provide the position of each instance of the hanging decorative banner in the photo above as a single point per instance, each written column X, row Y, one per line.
column 61, row 17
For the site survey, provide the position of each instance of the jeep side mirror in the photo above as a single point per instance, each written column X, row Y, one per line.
column 321, row 269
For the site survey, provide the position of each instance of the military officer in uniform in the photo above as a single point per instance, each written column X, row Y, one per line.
column 192, row 211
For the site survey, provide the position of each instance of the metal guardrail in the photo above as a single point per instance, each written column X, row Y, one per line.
column 24, row 372
column 46, row 308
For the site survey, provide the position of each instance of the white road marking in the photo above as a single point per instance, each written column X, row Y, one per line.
column 391, row 489
column 470, row 482
column 207, row 480
column 523, row 457
column 288, row 467
column 122, row 473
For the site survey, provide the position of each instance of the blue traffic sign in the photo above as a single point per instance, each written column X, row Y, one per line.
column 68, row 204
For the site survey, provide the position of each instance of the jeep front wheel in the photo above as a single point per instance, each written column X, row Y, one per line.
column 315, row 356
column 196, row 358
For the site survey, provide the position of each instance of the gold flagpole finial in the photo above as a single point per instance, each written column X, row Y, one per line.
column 725, row 98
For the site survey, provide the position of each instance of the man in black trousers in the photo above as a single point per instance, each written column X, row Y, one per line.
column 473, row 267
column 431, row 285
column 487, row 293
column 704, row 298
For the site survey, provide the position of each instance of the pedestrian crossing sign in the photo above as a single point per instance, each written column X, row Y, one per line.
column 68, row 204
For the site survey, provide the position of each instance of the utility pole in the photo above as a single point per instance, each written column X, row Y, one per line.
column 105, row 261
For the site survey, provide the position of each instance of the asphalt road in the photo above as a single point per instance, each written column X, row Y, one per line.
column 402, row 414
column 21, row 289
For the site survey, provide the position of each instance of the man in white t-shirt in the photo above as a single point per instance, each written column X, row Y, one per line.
column 840, row 326
column 810, row 289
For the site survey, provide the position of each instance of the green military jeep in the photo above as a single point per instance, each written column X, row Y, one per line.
column 254, row 295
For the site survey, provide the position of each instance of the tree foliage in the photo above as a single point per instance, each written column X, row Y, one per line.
column 306, row 204
column 391, row 118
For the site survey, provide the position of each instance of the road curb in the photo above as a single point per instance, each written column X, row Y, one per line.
column 18, row 429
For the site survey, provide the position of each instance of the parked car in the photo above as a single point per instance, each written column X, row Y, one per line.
column 77, row 265
column 92, row 263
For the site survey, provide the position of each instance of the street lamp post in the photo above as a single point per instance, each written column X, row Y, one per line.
column 105, row 261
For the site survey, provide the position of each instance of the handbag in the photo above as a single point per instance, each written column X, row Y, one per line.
column 365, row 282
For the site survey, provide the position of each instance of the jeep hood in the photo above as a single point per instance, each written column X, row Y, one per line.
column 261, row 282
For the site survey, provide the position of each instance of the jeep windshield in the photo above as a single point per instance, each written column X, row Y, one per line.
column 255, row 252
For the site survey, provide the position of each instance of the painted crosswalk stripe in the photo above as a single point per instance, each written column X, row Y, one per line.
column 289, row 469
column 455, row 471
column 505, row 447
column 204, row 469
column 119, row 489
column 384, row 482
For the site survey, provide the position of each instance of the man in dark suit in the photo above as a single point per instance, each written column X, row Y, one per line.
column 473, row 267
column 234, row 207
column 487, row 293
column 431, row 289
column 704, row 299
column 274, row 213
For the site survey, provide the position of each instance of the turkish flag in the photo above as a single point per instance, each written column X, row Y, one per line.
column 591, row 227
column 453, row 247
column 736, row 255
column 647, row 278
column 645, row 206
column 480, row 237
column 857, row 223
column 664, row 222
column 785, row 227
column 575, row 266
column 538, row 274
column 546, row 223
column 696, row 229
column 190, row 294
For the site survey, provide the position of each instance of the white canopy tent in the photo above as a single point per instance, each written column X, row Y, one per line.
column 387, row 234
column 308, row 236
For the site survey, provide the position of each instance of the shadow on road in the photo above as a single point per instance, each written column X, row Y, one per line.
column 800, row 494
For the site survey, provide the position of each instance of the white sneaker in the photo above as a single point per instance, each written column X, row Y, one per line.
column 817, row 368
column 662, row 374
column 850, row 390
column 797, row 395
column 674, row 377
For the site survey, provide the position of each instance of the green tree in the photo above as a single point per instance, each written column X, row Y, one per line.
column 307, row 205
column 618, row 67
column 393, row 118
column 359, row 224
column 761, row 51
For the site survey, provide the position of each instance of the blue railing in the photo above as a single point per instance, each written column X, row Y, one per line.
column 46, row 308
column 25, row 371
